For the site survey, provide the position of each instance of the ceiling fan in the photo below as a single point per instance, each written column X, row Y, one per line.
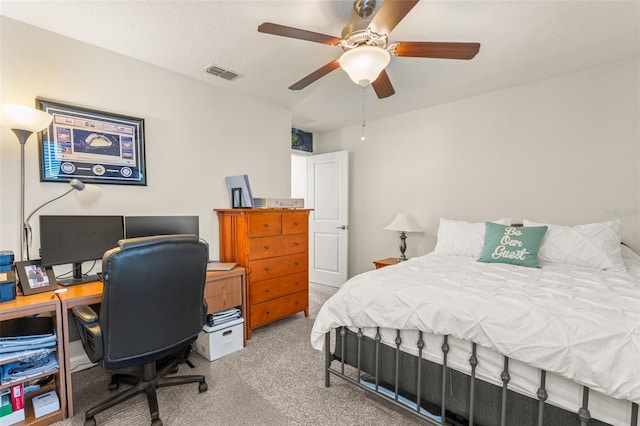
column 366, row 48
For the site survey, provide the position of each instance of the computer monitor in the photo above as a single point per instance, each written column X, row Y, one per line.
column 144, row 226
column 76, row 239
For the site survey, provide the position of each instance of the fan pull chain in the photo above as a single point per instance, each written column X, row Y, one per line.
column 362, row 137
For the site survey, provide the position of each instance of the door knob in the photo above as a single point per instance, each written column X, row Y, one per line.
column 342, row 227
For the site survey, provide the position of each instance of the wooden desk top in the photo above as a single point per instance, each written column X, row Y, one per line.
column 86, row 293
column 26, row 305
column 91, row 292
column 237, row 270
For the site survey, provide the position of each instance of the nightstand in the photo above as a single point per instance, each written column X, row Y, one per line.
column 385, row 262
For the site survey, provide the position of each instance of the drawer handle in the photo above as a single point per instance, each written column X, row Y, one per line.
column 266, row 225
column 297, row 282
column 267, row 269
column 266, row 247
column 268, row 312
column 296, row 244
column 296, row 263
column 226, row 333
column 266, row 290
column 297, row 303
column 295, row 223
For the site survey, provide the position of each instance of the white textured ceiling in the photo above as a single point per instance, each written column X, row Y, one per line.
column 521, row 41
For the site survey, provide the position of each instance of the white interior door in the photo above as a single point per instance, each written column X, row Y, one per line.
column 328, row 196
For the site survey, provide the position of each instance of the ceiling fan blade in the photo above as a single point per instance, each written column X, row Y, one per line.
column 281, row 30
column 390, row 14
column 428, row 49
column 382, row 86
column 316, row 75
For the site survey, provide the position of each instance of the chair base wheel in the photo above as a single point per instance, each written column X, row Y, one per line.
column 113, row 386
column 173, row 369
column 202, row 387
column 156, row 422
column 90, row 422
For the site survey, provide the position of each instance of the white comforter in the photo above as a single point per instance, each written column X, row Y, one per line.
column 583, row 324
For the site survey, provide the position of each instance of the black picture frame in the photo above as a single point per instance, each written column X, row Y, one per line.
column 92, row 146
column 301, row 140
column 236, row 198
column 34, row 277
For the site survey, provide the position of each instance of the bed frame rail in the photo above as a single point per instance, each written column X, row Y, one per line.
column 583, row 413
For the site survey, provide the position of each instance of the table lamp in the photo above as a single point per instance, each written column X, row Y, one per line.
column 403, row 223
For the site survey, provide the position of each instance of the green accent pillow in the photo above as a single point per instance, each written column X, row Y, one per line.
column 510, row 244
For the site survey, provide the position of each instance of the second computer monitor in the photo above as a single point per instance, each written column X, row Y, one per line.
column 144, row 226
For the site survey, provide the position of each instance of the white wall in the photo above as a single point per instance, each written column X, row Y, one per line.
column 299, row 177
column 563, row 150
column 196, row 134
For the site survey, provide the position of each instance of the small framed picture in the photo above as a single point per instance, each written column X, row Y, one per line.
column 35, row 278
column 236, row 198
column 301, row 140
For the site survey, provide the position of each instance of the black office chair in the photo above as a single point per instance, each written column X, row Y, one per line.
column 152, row 309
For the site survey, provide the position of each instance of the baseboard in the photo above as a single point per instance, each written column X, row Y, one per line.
column 78, row 357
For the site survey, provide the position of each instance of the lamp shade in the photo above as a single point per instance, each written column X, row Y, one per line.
column 20, row 117
column 364, row 64
column 403, row 222
column 86, row 193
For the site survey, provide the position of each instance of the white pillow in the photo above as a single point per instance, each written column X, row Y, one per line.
column 460, row 238
column 595, row 245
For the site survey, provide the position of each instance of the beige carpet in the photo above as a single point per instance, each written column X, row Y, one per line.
column 277, row 379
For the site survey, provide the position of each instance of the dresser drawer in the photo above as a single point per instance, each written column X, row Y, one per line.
column 274, row 267
column 281, row 307
column 223, row 294
column 295, row 243
column 295, row 223
column 263, row 224
column 263, row 247
column 264, row 290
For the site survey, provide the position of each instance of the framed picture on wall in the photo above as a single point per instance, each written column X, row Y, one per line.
column 301, row 140
column 90, row 145
column 35, row 278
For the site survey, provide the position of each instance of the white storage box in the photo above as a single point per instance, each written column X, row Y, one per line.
column 45, row 403
column 220, row 340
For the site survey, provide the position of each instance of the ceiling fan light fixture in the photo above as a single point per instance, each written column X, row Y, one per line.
column 364, row 64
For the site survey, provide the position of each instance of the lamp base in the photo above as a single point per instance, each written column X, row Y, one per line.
column 403, row 246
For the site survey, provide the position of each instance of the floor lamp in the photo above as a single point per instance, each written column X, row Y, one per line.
column 23, row 121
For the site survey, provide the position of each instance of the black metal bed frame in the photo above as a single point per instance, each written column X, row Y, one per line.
column 583, row 412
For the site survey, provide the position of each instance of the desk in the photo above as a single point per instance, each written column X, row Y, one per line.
column 81, row 294
column 223, row 290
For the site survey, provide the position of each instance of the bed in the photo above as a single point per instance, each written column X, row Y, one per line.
column 497, row 343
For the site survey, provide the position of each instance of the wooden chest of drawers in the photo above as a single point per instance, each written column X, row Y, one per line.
column 273, row 246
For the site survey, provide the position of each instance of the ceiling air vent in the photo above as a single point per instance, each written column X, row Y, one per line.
column 222, row 73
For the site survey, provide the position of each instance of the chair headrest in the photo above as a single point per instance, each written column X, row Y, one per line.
column 131, row 243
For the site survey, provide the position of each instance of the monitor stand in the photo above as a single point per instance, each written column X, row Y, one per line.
column 78, row 278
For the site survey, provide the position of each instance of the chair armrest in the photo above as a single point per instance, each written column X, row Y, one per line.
column 85, row 314
column 90, row 333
